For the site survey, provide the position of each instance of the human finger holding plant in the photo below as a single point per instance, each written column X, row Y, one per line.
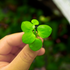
column 15, row 54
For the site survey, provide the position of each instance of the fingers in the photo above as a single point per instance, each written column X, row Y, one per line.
column 26, row 56
column 41, row 52
column 10, row 41
column 24, row 59
column 6, row 58
column 3, row 64
column 15, row 50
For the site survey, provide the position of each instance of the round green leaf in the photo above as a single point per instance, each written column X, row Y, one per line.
column 26, row 26
column 35, row 22
column 28, row 37
column 36, row 45
column 44, row 31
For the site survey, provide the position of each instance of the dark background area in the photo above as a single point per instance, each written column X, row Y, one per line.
column 57, row 45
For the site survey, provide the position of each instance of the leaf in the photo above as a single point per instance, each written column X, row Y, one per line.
column 35, row 22
column 44, row 31
column 26, row 26
column 36, row 45
column 28, row 37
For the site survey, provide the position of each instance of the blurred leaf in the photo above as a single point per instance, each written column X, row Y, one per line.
column 64, row 30
column 52, row 66
column 1, row 32
column 39, row 61
column 39, row 13
column 54, row 27
column 48, row 43
column 2, row 15
column 59, row 47
column 68, row 45
column 32, row 10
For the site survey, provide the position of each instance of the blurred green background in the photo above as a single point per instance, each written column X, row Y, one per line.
column 57, row 46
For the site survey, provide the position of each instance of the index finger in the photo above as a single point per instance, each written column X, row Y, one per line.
column 10, row 41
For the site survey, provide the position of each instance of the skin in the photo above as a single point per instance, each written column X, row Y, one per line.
column 15, row 55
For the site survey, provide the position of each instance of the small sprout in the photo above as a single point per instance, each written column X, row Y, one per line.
column 35, row 22
column 30, row 36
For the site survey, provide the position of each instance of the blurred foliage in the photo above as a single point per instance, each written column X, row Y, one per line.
column 57, row 46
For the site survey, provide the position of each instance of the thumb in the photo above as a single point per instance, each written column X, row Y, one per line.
column 24, row 59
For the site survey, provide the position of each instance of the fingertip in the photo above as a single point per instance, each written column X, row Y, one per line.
column 41, row 52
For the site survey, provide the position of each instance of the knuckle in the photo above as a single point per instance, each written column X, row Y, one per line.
column 26, row 57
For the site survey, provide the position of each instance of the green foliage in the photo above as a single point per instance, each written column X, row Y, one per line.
column 52, row 66
column 39, row 61
column 35, row 22
column 26, row 26
column 36, row 45
column 44, row 31
column 29, row 38
column 54, row 26
column 59, row 47
column 48, row 43
column 2, row 15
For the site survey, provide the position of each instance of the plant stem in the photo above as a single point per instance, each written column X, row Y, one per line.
column 35, row 32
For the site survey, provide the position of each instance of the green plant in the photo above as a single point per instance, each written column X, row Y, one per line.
column 30, row 35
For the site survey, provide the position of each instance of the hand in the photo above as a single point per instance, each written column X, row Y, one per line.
column 14, row 54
